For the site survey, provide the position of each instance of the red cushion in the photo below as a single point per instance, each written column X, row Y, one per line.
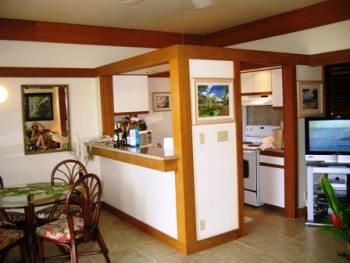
column 9, row 236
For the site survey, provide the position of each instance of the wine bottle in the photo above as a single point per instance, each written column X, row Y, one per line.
column 120, row 133
column 115, row 136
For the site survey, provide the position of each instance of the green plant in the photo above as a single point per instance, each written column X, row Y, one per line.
column 341, row 214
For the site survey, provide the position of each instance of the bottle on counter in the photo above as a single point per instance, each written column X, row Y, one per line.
column 134, row 137
column 115, row 136
column 120, row 134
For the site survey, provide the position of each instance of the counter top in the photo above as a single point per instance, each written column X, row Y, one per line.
column 150, row 157
column 273, row 152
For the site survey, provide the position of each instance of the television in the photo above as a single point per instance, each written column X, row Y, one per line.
column 327, row 139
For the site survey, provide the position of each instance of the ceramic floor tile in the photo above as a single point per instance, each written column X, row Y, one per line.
column 261, row 258
column 195, row 258
column 155, row 249
column 129, row 255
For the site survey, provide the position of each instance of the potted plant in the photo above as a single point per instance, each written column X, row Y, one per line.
column 341, row 214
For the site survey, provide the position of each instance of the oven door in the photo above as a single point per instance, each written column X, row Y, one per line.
column 249, row 169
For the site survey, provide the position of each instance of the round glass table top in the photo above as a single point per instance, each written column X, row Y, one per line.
column 35, row 194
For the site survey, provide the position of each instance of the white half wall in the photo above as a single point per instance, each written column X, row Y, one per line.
column 304, row 73
column 145, row 194
column 215, row 163
column 17, row 168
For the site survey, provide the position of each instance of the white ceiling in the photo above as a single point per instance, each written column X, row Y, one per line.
column 160, row 15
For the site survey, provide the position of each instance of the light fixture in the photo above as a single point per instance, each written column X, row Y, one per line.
column 199, row 4
column 3, row 94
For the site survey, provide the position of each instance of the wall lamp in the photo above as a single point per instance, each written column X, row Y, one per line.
column 3, row 94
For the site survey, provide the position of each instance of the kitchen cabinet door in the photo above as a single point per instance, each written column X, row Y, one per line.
column 262, row 81
column 247, row 82
column 272, row 185
column 130, row 94
column 277, row 88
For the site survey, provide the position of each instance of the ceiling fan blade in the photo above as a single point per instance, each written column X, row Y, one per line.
column 199, row 4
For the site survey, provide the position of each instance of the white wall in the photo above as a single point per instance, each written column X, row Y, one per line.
column 145, row 194
column 159, row 122
column 17, row 168
column 304, row 73
column 316, row 40
column 215, row 163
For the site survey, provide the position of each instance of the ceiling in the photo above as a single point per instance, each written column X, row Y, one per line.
column 159, row 15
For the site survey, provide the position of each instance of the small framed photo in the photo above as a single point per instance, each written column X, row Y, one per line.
column 310, row 99
column 38, row 107
column 213, row 100
column 161, row 101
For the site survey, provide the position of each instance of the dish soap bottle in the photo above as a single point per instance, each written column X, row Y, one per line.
column 134, row 137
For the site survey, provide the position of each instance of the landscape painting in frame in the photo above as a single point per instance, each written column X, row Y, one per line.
column 310, row 98
column 213, row 100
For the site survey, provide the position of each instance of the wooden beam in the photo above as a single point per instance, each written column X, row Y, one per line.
column 290, row 140
column 107, row 108
column 47, row 72
column 308, row 17
column 90, row 35
column 329, row 58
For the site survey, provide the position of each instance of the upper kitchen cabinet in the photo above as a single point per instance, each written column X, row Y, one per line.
column 256, row 82
column 277, row 87
column 130, row 94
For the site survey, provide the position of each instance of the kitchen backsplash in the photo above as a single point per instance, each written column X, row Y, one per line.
column 264, row 115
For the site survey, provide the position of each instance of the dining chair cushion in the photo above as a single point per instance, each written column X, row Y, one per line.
column 9, row 236
column 45, row 213
column 58, row 230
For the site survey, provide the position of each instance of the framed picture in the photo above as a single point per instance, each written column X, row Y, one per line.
column 310, row 99
column 213, row 100
column 161, row 101
column 38, row 107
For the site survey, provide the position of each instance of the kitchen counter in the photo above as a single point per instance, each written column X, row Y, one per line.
column 149, row 157
column 273, row 152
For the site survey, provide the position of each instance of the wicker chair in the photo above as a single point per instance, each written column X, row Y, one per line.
column 69, row 230
column 66, row 172
column 10, row 218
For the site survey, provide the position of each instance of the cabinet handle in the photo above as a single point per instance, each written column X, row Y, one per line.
column 271, row 165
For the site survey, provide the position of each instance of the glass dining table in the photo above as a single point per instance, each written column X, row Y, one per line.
column 27, row 197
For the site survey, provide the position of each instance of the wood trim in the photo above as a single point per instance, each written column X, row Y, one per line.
column 256, row 93
column 107, row 108
column 302, row 212
column 239, row 143
column 329, row 58
column 26, row 30
column 145, row 228
column 47, row 72
column 160, row 75
column 164, row 165
column 130, row 113
column 204, row 244
column 271, row 165
column 254, row 56
column 290, row 140
column 182, row 130
column 304, row 18
column 272, row 153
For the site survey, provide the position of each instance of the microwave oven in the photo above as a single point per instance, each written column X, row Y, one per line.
column 145, row 138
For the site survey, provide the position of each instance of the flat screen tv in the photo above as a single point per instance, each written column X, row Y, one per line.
column 327, row 139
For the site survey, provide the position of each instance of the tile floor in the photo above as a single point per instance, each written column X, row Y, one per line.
column 271, row 238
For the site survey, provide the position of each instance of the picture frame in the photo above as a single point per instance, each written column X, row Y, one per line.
column 38, row 107
column 310, row 98
column 212, row 100
column 161, row 101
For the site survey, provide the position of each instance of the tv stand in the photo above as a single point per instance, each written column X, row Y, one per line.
column 314, row 171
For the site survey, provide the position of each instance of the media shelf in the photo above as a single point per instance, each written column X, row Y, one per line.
column 318, row 210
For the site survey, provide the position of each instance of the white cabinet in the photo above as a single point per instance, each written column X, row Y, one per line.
column 277, row 87
column 271, row 174
column 130, row 93
column 256, row 82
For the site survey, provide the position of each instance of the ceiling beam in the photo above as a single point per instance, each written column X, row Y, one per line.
column 21, row 72
column 305, row 18
column 92, row 35
column 334, row 57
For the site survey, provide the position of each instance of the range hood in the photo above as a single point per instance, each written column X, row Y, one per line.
column 256, row 100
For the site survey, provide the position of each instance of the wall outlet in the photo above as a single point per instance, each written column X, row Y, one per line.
column 202, row 225
column 222, row 136
column 201, row 138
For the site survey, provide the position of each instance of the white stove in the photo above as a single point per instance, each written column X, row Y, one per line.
column 252, row 140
